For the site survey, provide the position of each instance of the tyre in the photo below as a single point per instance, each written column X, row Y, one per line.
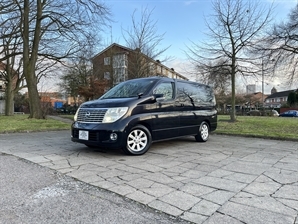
column 203, row 133
column 138, row 141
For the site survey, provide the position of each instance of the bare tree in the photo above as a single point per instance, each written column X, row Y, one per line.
column 10, row 44
column 78, row 78
column 282, row 46
column 216, row 75
column 51, row 30
column 234, row 27
column 144, row 39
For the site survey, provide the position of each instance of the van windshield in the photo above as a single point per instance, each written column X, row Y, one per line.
column 131, row 88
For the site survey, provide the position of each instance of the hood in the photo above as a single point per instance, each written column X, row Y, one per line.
column 108, row 103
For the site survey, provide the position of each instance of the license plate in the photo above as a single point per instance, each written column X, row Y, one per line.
column 84, row 135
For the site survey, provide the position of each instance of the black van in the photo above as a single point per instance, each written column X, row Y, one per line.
column 137, row 112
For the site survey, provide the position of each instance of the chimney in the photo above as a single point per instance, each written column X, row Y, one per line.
column 273, row 90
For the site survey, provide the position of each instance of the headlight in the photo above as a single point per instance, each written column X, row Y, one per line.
column 113, row 114
column 75, row 117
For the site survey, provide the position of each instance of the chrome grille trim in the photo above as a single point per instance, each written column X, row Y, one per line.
column 91, row 115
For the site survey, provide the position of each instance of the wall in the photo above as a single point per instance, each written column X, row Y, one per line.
column 2, row 106
column 284, row 109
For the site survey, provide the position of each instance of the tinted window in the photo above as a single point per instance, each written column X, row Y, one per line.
column 166, row 89
column 195, row 93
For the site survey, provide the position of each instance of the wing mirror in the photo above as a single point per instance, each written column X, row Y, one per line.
column 158, row 97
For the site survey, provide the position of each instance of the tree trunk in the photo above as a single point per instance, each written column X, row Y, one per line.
column 9, row 96
column 30, row 58
column 34, row 100
column 233, row 112
column 233, row 80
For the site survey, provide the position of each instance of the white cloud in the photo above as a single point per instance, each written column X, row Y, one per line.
column 189, row 2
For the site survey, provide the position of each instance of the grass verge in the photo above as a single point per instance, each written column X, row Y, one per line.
column 250, row 126
column 254, row 126
column 21, row 123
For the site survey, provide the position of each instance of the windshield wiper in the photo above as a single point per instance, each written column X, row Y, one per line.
column 140, row 94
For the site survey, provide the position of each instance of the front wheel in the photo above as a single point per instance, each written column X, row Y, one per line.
column 203, row 133
column 138, row 140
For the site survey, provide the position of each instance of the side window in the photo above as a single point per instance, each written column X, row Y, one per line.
column 205, row 94
column 195, row 93
column 166, row 89
column 182, row 91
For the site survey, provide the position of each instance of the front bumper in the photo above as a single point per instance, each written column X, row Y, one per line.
column 98, row 135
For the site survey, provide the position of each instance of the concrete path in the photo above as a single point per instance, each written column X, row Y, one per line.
column 225, row 180
column 32, row 194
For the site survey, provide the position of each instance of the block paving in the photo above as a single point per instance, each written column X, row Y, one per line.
column 225, row 180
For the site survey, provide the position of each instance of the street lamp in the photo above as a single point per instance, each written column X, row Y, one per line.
column 272, row 60
column 262, row 84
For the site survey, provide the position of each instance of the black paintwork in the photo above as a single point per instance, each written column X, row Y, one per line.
column 165, row 119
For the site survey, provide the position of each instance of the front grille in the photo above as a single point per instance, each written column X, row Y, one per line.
column 91, row 115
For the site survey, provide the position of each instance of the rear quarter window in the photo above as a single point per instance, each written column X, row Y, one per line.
column 195, row 93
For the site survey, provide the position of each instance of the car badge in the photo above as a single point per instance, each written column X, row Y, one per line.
column 87, row 114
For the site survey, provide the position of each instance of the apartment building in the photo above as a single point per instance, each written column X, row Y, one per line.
column 117, row 63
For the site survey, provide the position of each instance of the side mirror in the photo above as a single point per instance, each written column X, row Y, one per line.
column 159, row 97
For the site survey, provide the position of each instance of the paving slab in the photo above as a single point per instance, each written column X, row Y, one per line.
column 225, row 180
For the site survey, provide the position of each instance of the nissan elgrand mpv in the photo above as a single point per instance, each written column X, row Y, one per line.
column 137, row 112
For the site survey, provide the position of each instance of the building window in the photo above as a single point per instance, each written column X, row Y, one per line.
column 158, row 69
column 119, row 60
column 152, row 68
column 278, row 100
column 120, row 75
column 106, row 75
column 106, row 61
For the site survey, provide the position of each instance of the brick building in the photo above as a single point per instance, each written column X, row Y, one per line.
column 117, row 63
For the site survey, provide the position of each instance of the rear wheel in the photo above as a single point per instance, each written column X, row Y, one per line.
column 203, row 133
column 138, row 140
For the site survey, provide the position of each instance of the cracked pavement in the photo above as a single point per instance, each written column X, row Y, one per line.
column 225, row 180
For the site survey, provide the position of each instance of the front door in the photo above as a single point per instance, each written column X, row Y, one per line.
column 165, row 118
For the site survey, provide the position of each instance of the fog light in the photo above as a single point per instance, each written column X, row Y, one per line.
column 113, row 136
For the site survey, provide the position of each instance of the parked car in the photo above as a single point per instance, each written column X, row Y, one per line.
column 274, row 113
column 289, row 113
column 254, row 113
column 137, row 112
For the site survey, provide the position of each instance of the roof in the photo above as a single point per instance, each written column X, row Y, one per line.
column 111, row 46
column 280, row 94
